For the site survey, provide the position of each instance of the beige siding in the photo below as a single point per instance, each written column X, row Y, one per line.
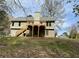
column 36, row 23
column 51, row 33
column 37, row 16
column 16, row 25
column 13, row 32
column 51, row 27
column 23, row 25
column 43, row 23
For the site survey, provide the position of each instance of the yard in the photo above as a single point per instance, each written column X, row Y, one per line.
column 38, row 47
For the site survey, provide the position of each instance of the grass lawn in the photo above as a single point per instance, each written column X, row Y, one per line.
column 38, row 47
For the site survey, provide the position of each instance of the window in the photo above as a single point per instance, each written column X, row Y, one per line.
column 46, row 23
column 53, row 21
column 19, row 23
column 49, row 23
column 12, row 23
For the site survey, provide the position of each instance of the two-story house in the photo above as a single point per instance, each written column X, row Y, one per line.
column 36, row 26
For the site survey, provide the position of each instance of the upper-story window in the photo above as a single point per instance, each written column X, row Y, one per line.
column 12, row 23
column 19, row 23
column 53, row 21
column 48, row 23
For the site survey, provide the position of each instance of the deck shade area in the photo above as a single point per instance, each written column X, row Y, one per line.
column 36, row 31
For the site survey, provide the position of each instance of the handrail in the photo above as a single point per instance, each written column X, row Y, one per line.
column 22, row 31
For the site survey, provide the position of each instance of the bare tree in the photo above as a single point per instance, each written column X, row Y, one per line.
column 14, row 5
column 5, row 10
column 4, row 20
column 73, row 32
column 75, row 4
column 54, row 9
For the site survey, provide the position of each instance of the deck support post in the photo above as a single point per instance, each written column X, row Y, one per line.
column 38, row 31
column 32, row 30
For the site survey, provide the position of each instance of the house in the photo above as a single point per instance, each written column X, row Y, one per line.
column 35, row 26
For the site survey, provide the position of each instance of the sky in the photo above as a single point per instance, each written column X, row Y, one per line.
column 31, row 6
column 70, row 18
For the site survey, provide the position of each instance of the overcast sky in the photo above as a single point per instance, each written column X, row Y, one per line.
column 31, row 6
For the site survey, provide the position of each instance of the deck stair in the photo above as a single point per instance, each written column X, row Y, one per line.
column 19, row 32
